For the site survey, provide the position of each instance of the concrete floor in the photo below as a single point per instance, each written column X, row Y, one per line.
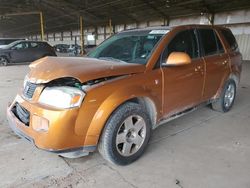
column 202, row 149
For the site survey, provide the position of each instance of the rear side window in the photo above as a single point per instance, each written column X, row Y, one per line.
column 33, row 45
column 185, row 41
column 219, row 44
column 43, row 45
column 228, row 35
column 208, row 41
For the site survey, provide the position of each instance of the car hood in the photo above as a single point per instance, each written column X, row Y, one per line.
column 83, row 69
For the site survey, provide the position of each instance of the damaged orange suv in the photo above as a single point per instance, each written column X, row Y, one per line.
column 130, row 84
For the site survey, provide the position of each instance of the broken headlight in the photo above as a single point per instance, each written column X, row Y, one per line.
column 26, row 78
column 62, row 97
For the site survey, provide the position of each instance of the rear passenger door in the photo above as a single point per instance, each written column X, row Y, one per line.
column 182, row 85
column 233, row 51
column 217, row 61
column 35, row 51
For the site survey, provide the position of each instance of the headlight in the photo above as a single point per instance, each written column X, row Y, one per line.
column 25, row 81
column 62, row 97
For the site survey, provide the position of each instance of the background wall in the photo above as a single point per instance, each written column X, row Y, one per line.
column 237, row 21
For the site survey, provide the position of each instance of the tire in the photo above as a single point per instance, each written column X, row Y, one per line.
column 227, row 97
column 125, row 135
column 3, row 61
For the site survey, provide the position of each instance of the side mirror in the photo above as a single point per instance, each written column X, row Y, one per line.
column 178, row 58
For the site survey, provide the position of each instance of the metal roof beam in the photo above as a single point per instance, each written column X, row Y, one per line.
column 156, row 10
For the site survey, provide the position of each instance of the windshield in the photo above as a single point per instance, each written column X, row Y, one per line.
column 129, row 47
column 11, row 45
column 7, row 41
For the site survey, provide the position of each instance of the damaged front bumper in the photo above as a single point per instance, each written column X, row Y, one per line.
column 59, row 139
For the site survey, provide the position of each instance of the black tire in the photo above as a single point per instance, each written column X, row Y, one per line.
column 108, row 147
column 220, row 103
column 4, row 61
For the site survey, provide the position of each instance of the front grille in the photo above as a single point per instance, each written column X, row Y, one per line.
column 29, row 90
column 21, row 113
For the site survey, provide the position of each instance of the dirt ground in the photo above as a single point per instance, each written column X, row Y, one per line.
column 202, row 149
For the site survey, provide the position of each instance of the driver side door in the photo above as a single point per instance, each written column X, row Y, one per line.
column 183, row 84
column 19, row 52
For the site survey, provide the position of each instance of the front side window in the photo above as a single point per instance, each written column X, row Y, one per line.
column 21, row 45
column 208, row 41
column 129, row 47
column 18, row 46
column 185, row 41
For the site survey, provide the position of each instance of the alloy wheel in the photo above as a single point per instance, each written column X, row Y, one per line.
column 229, row 95
column 131, row 135
column 3, row 61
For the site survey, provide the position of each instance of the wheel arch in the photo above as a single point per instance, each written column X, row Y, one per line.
column 231, row 76
column 97, row 126
column 235, row 78
column 6, row 57
column 149, row 106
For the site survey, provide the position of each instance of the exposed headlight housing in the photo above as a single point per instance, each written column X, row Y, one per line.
column 63, row 97
column 26, row 78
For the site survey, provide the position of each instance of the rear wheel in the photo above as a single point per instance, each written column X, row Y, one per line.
column 3, row 61
column 226, row 100
column 126, row 134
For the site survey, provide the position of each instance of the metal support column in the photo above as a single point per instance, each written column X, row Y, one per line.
column 42, row 26
column 81, row 35
column 105, row 32
column 110, row 27
column 210, row 18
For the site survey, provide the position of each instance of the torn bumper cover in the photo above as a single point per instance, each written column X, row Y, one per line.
column 53, row 144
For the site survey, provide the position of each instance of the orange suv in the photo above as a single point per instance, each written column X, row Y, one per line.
column 130, row 84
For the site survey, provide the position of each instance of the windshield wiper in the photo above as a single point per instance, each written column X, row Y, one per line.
column 112, row 59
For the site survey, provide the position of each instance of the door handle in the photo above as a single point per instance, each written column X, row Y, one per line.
column 225, row 62
column 198, row 68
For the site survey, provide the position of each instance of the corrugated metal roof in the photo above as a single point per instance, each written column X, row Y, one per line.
column 64, row 14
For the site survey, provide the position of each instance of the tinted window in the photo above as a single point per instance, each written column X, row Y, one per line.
column 228, row 35
column 208, row 41
column 21, row 45
column 33, row 45
column 219, row 44
column 43, row 45
column 129, row 47
column 184, row 41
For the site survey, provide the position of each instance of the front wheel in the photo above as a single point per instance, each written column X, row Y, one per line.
column 3, row 61
column 126, row 134
column 227, row 97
